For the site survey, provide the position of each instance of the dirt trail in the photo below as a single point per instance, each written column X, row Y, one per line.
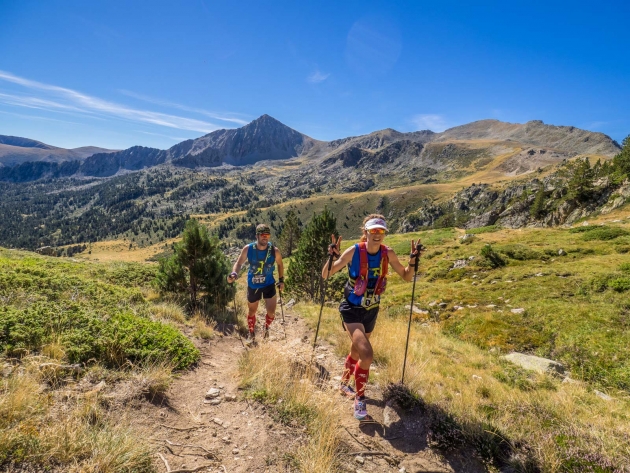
column 233, row 435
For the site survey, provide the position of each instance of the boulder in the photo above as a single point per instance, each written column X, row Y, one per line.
column 460, row 263
column 536, row 363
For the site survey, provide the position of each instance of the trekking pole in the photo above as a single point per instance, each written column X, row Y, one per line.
column 413, row 291
column 321, row 309
column 282, row 311
column 236, row 319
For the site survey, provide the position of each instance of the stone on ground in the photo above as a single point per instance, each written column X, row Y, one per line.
column 536, row 363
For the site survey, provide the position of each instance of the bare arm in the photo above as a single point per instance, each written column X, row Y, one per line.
column 338, row 265
column 238, row 265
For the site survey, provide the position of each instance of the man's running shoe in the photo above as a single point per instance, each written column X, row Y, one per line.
column 266, row 332
column 360, row 408
column 251, row 337
column 346, row 390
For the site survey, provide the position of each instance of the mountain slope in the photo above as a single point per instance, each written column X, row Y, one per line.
column 264, row 138
column 15, row 150
column 409, row 157
column 536, row 133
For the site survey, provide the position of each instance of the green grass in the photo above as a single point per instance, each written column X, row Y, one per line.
column 96, row 313
column 576, row 308
column 576, row 311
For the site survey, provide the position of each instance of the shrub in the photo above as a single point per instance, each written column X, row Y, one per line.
column 600, row 232
column 625, row 267
column 488, row 229
column 61, row 306
column 521, row 252
column 491, row 258
column 605, row 233
column 619, row 284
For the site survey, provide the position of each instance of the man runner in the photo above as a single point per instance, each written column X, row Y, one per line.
column 262, row 256
column 367, row 263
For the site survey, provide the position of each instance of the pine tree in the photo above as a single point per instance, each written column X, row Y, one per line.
column 197, row 270
column 537, row 209
column 290, row 234
column 621, row 162
column 304, row 273
column 580, row 183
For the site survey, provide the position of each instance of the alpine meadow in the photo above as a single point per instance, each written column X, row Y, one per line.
column 186, row 288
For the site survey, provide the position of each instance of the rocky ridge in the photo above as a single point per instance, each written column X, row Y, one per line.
column 388, row 152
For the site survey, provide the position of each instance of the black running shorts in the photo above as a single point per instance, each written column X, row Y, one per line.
column 267, row 292
column 354, row 314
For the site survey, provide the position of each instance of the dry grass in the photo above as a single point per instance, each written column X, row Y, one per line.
column 169, row 311
column 289, row 387
column 39, row 431
column 557, row 426
column 201, row 329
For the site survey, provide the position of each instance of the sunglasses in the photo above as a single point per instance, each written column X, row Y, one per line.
column 264, row 234
column 377, row 231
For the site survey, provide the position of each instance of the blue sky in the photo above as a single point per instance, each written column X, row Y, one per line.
column 121, row 73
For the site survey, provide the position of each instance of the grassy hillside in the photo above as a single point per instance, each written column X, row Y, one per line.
column 575, row 311
column 67, row 330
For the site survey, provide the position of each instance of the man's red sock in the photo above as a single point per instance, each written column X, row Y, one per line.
column 251, row 322
column 360, row 379
column 268, row 320
column 348, row 369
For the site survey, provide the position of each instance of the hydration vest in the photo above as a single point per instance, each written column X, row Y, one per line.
column 357, row 288
column 260, row 272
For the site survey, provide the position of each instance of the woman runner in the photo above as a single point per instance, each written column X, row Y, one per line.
column 367, row 263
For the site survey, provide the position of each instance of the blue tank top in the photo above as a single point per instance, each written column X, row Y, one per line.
column 261, row 266
column 368, row 300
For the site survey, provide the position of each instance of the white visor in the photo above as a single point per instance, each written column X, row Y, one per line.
column 376, row 223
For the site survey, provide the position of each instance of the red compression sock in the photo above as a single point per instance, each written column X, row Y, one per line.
column 348, row 369
column 268, row 320
column 251, row 322
column 360, row 379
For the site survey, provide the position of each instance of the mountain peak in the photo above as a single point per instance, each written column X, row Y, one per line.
column 266, row 120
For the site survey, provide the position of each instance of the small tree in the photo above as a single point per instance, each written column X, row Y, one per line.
column 537, row 209
column 304, row 273
column 580, row 185
column 621, row 162
column 197, row 270
column 290, row 234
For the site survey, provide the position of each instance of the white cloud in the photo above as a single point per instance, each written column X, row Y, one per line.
column 173, row 138
column 186, row 108
column 57, row 99
column 431, row 122
column 317, row 77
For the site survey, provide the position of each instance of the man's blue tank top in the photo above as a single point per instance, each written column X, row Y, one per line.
column 261, row 266
column 368, row 299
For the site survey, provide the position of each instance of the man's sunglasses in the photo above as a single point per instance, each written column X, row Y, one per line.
column 264, row 234
column 377, row 231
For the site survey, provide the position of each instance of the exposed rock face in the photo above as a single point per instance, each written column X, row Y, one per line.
column 480, row 206
column 264, row 138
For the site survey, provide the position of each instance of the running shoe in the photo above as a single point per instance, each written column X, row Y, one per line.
column 266, row 332
column 251, row 337
column 360, row 408
column 346, row 390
